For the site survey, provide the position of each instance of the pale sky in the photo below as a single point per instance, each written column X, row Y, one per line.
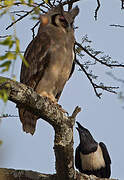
column 103, row 117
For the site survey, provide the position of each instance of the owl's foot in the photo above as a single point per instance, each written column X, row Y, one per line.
column 53, row 100
column 61, row 109
column 49, row 96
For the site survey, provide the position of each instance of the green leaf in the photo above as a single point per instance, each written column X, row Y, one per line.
column 7, row 42
column 22, row 1
column 17, row 45
column 24, row 60
column 30, row 1
column 8, row 55
column 4, row 95
column 8, row 2
column 46, row 1
column 5, row 65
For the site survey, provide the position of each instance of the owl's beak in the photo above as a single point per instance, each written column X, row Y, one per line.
column 69, row 27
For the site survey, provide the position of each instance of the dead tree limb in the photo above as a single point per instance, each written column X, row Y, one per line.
column 12, row 174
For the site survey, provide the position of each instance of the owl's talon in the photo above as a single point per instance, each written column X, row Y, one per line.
column 63, row 110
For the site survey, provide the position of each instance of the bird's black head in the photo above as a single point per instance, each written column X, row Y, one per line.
column 87, row 142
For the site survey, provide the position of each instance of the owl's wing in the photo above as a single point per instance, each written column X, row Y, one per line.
column 36, row 56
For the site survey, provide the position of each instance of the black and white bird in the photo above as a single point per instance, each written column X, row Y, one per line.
column 92, row 157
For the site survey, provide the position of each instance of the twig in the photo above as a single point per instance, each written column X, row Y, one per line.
column 54, row 2
column 7, row 115
column 96, row 11
column 19, row 19
column 95, row 86
column 98, row 60
column 5, row 36
column 13, row 12
column 122, row 4
column 116, row 25
column 29, row 12
column 17, row 4
column 72, row 1
column 15, row 51
column 43, row 5
column 75, row 112
column 34, row 28
column 70, row 4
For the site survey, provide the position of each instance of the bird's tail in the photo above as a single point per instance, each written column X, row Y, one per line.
column 28, row 120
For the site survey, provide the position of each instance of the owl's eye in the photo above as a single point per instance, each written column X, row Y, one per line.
column 62, row 18
column 63, row 21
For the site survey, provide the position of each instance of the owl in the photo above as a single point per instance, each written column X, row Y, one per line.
column 51, row 60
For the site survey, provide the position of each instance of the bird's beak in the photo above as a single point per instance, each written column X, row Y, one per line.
column 78, row 129
column 79, row 125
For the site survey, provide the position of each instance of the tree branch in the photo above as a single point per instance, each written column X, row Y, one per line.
column 44, row 108
column 98, row 60
column 12, row 174
column 26, row 14
column 117, row 25
column 62, row 124
column 96, row 11
column 96, row 86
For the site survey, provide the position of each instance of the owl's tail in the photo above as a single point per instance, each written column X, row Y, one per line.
column 28, row 120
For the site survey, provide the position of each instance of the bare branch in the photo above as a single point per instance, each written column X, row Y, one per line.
column 33, row 33
column 7, row 115
column 116, row 25
column 98, row 60
column 96, row 11
column 5, row 36
column 18, row 4
column 76, row 111
column 72, row 1
column 47, row 110
column 122, row 4
column 95, row 86
column 22, row 11
column 11, row 174
column 70, row 4
column 26, row 14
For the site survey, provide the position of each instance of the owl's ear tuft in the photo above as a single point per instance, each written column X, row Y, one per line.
column 74, row 12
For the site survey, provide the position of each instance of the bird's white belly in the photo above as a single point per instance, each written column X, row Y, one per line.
column 92, row 161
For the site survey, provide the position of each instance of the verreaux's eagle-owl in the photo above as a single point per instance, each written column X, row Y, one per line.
column 50, row 57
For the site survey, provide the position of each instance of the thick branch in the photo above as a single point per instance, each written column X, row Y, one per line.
column 12, row 174
column 27, row 97
column 62, row 124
